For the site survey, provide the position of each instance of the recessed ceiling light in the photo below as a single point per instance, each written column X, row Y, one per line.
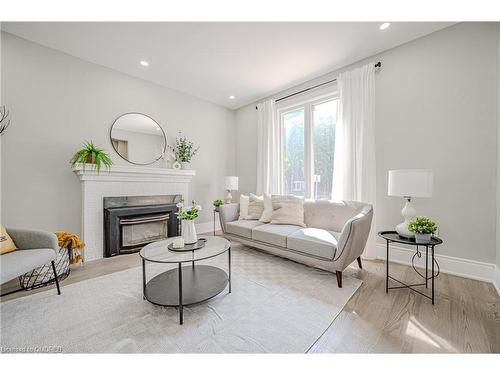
column 144, row 63
column 385, row 25
column 231, row 97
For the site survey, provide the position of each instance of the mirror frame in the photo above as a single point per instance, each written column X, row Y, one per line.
column 152, row 119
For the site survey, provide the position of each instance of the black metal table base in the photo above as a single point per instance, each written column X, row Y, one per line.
column 412, row 286
column 185, row 285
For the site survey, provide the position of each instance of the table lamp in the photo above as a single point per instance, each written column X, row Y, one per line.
column 231, row 183
column 409, row 183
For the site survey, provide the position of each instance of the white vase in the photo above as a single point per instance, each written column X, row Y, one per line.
column 423, row 237
column 184, row 165
column 189, row 232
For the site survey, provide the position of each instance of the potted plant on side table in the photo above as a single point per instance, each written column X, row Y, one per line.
column 187, row 217
column 217, row 203
column 423, row 228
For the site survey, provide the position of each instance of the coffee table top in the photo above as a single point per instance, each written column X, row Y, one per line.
column 158, row 252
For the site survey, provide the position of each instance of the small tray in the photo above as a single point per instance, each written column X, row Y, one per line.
column 191, row 247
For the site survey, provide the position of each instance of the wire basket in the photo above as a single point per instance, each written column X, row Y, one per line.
column 44, row 275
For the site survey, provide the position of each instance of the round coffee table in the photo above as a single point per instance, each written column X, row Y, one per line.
column 187, row 284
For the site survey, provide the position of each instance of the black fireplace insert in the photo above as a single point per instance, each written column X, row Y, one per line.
column 132, row 222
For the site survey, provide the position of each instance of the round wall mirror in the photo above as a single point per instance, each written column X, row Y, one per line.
column 138, row 138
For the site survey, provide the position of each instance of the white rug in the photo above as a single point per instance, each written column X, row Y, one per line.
column 276, row 306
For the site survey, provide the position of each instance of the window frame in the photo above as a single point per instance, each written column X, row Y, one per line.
column 307, row 103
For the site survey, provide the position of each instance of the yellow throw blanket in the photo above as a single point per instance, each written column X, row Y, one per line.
column 73, row 242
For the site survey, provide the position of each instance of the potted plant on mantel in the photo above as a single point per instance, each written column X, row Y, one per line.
column 184, row 150
column 187, row 217
column 423, row 228
column 91, row 154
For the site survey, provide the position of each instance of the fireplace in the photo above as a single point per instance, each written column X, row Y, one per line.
column 130, row 223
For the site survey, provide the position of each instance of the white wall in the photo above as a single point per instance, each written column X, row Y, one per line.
column 58, row 101
column 436, row 107
column 498, row 154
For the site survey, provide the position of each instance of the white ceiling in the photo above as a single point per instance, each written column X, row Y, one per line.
column 215, row 60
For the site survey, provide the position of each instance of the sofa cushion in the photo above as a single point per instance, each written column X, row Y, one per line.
column 242, row 228
column 314, row 241
column 274, row 234
column 19, row 262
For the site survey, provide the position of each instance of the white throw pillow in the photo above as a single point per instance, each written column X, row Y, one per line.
column 288, row 209
column 255, row 207
column 244, row 202
column 268, row 209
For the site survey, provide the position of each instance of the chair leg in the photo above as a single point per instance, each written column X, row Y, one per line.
column 359, row 263
column 57, row 279
column 339, row 278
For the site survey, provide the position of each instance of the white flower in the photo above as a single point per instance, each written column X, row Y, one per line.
column 198, row 207
column 180, row 205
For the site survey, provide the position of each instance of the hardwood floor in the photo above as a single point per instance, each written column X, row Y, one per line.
column 465, row 318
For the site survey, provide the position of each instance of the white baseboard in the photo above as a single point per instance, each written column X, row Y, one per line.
column 496, row 281
column 467, row 268
column 207, row 227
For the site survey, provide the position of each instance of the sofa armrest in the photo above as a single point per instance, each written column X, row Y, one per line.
column 227, row 213
column 26, row 239
column 353, row 238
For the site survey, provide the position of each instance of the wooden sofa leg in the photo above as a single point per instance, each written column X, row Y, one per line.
column 339, row 278
column 359, row 263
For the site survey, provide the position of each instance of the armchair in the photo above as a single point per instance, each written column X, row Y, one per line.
column 35, row 248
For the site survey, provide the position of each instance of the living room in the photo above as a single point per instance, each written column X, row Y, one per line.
column 179, row 187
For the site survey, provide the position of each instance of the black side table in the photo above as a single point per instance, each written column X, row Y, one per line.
column 216, row 209
column 393, row 236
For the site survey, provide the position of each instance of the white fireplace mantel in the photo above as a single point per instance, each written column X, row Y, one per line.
column 87, row 172
column 121, row 181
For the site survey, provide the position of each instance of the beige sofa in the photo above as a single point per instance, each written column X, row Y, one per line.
column 334, row 237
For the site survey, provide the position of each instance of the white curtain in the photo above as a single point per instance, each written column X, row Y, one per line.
column 268, row 149
column 354, row 159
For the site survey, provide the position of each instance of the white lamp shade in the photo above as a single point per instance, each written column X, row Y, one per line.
column 410, row 183
column 231, row 183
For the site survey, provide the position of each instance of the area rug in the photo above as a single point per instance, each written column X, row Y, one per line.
column 276, row 306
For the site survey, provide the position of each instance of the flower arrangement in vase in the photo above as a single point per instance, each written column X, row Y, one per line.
column 184, row 150
column 187, row 215
column 423, row 228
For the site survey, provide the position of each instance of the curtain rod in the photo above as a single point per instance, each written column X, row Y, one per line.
column 377, row 65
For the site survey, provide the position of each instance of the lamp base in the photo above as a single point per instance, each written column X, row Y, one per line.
column 229, row 197
column 403, row 231
column 408, row 213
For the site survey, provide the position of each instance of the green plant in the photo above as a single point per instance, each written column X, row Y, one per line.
column 218, row 202
column 184, row 150
column 91, row 154
column 422, row 225
column 189, row 213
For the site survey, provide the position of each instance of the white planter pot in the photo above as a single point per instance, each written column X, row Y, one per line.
column 185, row 165
column 189, row 232
column 423, row 238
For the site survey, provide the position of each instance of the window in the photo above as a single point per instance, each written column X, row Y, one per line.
column 308, row 141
